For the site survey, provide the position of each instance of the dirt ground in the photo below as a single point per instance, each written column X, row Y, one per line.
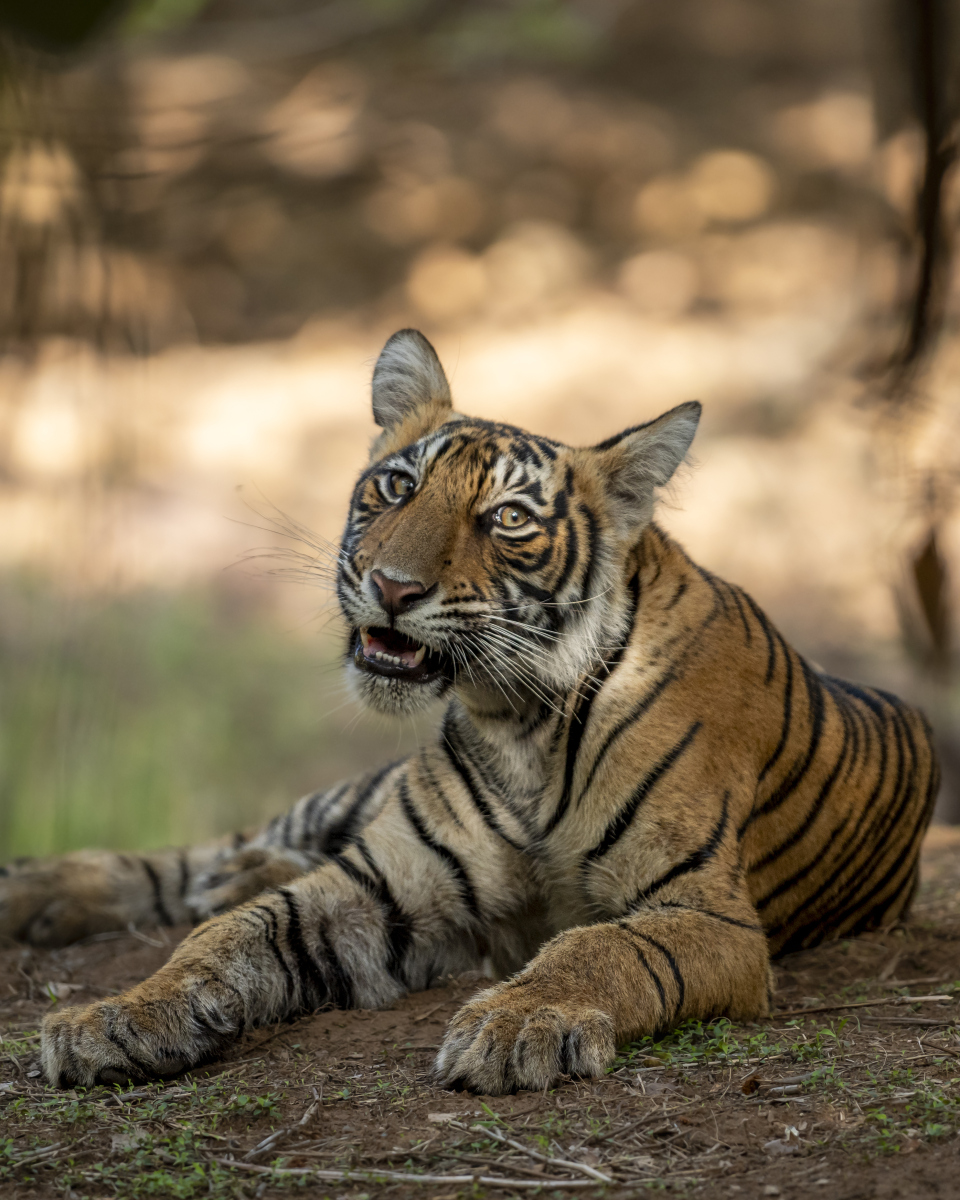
column 858, row 1101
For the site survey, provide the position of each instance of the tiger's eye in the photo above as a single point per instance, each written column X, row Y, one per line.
column 511, row 517
column 399, row 484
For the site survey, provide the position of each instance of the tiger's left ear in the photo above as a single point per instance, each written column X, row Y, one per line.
column 639, row 460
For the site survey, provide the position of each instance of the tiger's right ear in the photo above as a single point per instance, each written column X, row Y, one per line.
column 408, row 376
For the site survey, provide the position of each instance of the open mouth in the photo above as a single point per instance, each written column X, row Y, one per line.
column 384, row 651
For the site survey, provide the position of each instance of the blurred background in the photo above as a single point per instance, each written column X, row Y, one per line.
column 213, row 213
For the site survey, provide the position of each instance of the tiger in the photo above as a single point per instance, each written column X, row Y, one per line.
column 638, row 795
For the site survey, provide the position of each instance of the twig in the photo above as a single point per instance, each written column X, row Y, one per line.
column 898, row 983
column 932, row 1021
column 142, row 937
column 535, row 1172
column 229, row 1069
column 406, row 1177
column 938, row 1046
column 896, row 1000
column 429, row 1012
column 544, row 1158
column 35, row 1155
column 278, row 1135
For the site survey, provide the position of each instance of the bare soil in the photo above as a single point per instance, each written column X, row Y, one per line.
column 872, row 1106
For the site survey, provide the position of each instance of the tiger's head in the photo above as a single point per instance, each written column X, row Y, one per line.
column 482, row 557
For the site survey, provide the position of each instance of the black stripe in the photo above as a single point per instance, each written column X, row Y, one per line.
column 768, row 632
column 464, row 885
column 796, row 774
column 184, row 874
column 313, row 831
column 343, row 995
column 570, row 558
column 634, row 715
column 889, row 820
column 815, row 808
column 270, row 928
column 874, row 841
column 694, row 861
column 109, row 1029
column 433, row 784
column 341, row 831
column 496, row 788
column 307, row 967
column 846, row 859
column 854, row 901
column 790, row 883
column 677, row 596
column 228, row 1027
column 66, row 1050
column 397, row 923
column 642, row 959
column 163, row 913
column 584, row 705
column 876, row 912
column 713, row 583
column 708, row 912
column 747, row 632
column 456, row 761
column 787, row 711
column 671, row 963
column 591, row 557
column 621, row 822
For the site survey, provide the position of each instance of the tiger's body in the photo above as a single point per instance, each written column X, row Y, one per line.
column 638, row 792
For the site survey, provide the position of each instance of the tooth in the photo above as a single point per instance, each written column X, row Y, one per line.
column 379, row 654
column 364, row 638
column 418, row 657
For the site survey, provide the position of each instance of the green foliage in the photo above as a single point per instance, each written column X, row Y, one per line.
column 546, row 31
column 901, row 1104
column 697, row 1042
column 150, row 718
column 255, row 1107
column 159, row 16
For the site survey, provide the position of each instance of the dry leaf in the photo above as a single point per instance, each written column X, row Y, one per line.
column 751, row 1083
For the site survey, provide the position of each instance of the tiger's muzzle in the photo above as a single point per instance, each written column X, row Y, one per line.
column 391, row 654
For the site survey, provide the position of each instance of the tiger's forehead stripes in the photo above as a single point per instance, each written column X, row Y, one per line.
column 495, row 459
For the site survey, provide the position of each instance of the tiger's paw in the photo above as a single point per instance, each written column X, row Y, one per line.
column 509, row 1038
column 147, row 1033
column 54, row 901
column 244, row 875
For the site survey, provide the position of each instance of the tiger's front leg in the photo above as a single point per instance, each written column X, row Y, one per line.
column 593, row 988
column 323, row 940
column 394, row 911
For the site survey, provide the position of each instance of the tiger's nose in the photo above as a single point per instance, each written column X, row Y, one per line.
column 396, row 596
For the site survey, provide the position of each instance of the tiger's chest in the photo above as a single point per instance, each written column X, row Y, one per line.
column 541, row 799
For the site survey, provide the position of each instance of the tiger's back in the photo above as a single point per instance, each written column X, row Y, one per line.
column 846, row 778
column 832, row 844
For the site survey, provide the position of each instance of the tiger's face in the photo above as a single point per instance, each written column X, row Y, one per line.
column 482, row 557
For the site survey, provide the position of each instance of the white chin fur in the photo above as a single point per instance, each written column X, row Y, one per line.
column 394, row 697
